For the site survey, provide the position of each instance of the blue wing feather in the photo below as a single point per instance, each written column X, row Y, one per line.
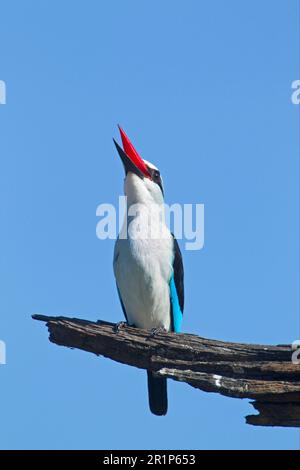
column 175, row 307
column 177, row 289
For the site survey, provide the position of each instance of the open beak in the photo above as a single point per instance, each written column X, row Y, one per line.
column 130, row 158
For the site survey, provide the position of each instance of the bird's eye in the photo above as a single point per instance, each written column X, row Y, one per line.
column 156, row 174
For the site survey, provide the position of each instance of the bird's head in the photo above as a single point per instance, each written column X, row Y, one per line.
column 143, row 182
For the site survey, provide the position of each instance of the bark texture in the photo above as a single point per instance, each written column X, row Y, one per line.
column 262, row 373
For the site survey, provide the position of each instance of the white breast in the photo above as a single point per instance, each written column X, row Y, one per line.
column 143, row 267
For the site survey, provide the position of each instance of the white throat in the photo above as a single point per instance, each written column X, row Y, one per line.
column 145, row 209
column 142, row 191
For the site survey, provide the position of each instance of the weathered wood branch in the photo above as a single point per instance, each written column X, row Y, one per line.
column 263, row 373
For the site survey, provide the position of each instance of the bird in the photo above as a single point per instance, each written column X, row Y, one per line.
column 147, row 261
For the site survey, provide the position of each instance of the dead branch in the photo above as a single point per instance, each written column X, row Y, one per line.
column 262, row 373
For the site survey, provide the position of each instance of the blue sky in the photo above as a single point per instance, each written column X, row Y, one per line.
column 203, row 89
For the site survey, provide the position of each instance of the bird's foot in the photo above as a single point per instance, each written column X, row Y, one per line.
column 159, row 329
column 118, row 326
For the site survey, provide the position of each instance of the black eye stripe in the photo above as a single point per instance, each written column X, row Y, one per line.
column 155, row 175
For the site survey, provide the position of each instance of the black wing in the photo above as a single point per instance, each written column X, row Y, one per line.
column 178, row 273
column 116, row 256
column 122, row 305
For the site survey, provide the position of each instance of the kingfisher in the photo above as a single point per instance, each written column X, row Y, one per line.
column 147, row 261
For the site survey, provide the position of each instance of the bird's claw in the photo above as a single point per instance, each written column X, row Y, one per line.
column 159, row 329
column 118, row 326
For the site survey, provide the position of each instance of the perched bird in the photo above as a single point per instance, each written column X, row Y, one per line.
column 147, row 261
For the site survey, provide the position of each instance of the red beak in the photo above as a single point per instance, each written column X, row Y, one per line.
column 133, row 155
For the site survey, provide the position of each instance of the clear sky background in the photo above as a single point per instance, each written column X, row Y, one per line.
column 203, row 88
